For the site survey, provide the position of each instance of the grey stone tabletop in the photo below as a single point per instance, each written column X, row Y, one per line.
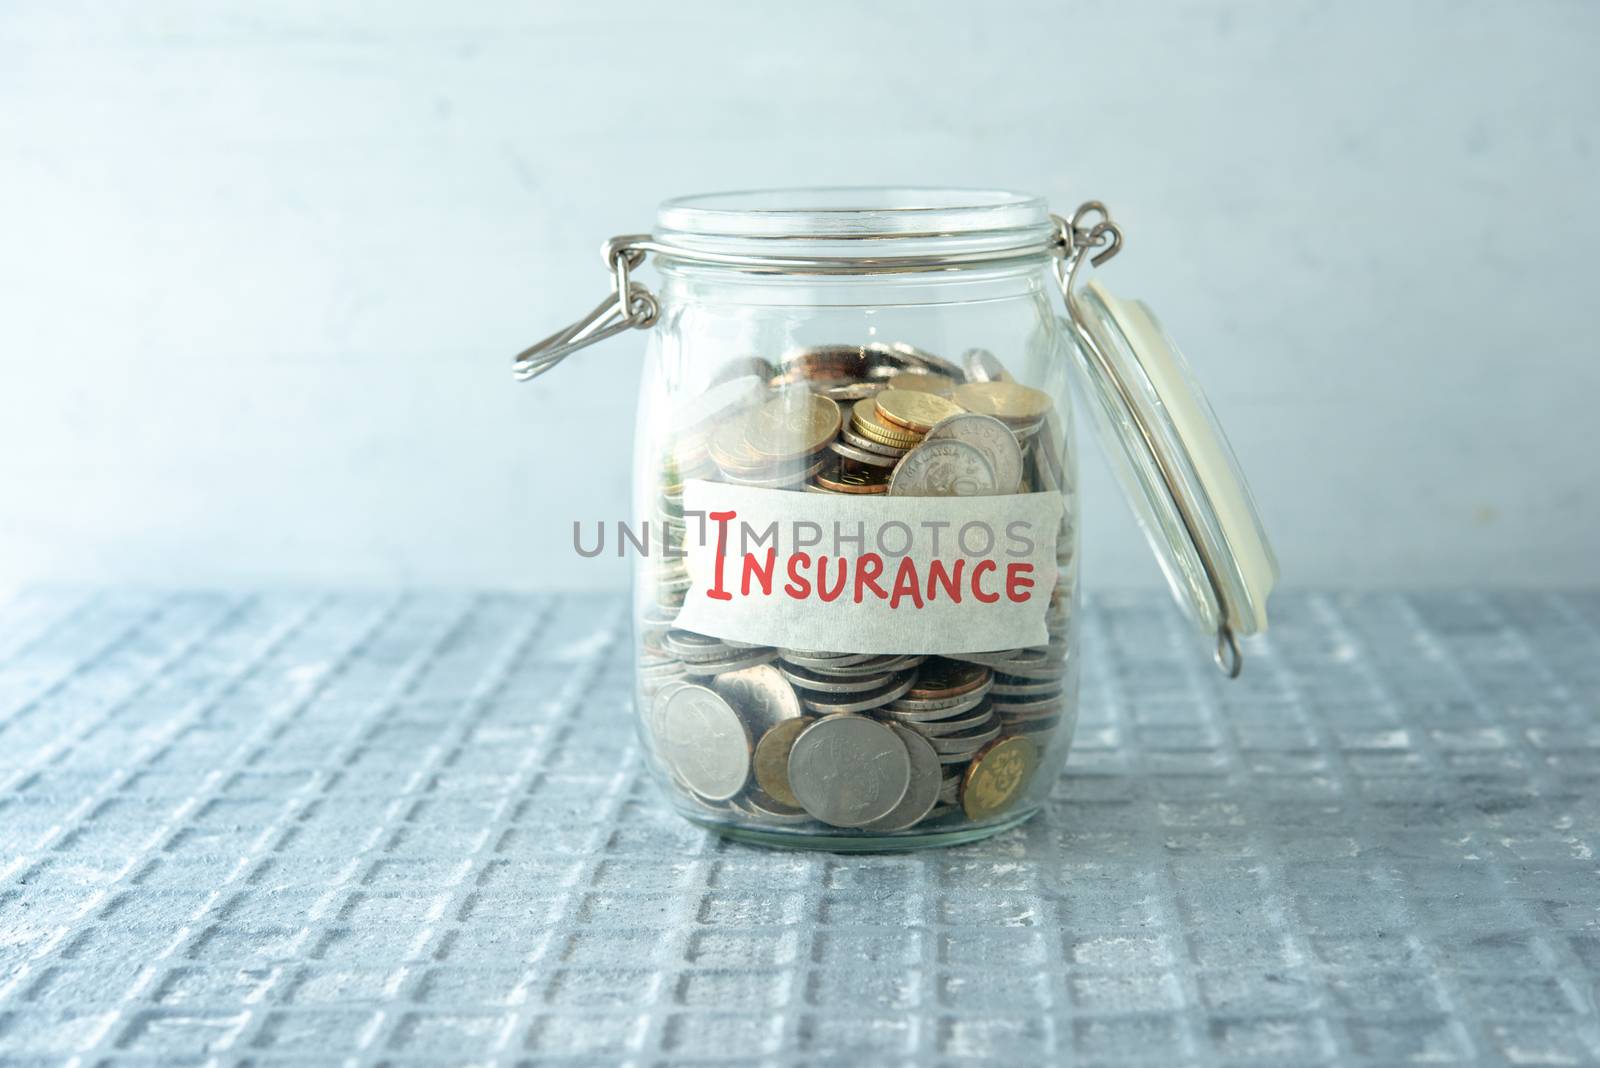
column 362, row 829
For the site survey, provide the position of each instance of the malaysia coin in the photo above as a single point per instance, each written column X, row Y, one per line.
column 738, row 660
column 943, row 469
column 807, row 679
column 984, row 366
column 865, row 421
column 939, row 678
column 772, row 759
column 838, row 480
column 1008, row 401
column 989, row 436
column 968, row 741
column 912, row 410
column 849, row 770
column 848, row 436
column 761, row 696
column 927, row 781
column 831, row 703
column 997, row 776
column 861, row 456
column 922, row 382
column 688, row 645
column 704, row 742
column 795, row 423
column 785, row 476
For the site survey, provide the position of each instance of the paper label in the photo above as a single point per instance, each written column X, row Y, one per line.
column 869, row 574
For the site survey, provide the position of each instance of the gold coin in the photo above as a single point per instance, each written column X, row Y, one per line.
column 1008, row 401
column 914, row 411
column 795, row 423
column 922, row 382
column 864, row 420
column 997, row 775
column 772, row 759
column 731, row 452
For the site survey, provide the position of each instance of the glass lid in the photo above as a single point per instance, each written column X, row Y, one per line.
column 1175, row 464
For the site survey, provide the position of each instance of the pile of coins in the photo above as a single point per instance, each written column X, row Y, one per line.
column 876, row 743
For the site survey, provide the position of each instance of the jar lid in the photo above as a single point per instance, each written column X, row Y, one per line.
column 1176, row 466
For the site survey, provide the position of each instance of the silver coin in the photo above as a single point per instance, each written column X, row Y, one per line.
column 831, row 703
column 989, row 436
column 819, row 661
column 968, row 741
column 903, row 712
column 1030, row 688
column 947, row 706
column 742, row 658
column 687, row 645
column 880, row 664
column 927, row 361
column 704, row 742
column 847, row 392
column 1036, row 706
column 850, row 437
column 849, row 770
column 861, row 456
column 984, row 366
column 814, row 680
column 927, row 781
column 788, row 476
column 943, row 469
column 763, row 809
column 939, row 727
column 761, row 695
column 950, row 789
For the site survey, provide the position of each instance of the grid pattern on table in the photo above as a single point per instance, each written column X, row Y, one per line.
column 362, row 829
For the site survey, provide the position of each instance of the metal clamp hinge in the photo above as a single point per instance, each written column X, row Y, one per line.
column 628, row 306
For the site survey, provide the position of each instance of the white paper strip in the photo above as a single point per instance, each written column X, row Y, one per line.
column 869, row 574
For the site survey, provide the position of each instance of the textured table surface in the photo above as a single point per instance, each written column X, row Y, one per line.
column 299, row 828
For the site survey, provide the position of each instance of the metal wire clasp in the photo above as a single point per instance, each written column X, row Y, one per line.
column 628, row 306
column 1089, row 234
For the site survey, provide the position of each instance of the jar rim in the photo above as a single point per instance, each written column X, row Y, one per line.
column 854, row 212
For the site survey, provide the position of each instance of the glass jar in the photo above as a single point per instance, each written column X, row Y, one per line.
column 855, row 532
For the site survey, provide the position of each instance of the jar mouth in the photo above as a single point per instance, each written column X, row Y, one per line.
column 844, row 230
column 833, row 212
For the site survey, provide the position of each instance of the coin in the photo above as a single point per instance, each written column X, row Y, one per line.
column 795, row 423
column 997, row 776
column 968, row 741
column 922, row 382
column 1008, row 401
column 838, row 480
column 736, row 660
column 818, row 701
column 943, row 469
column 989, row 436
column 704, row 741
column 788, row 475
column 731, row 452
column 761, row 695
column 848, row 436
column 984, row 366
column 772, row 759
column 849, row 770
column 816, row 680
column 912, row 410
column 863, row 456
column 946, row 678
column 865, row 420
column 927, row 781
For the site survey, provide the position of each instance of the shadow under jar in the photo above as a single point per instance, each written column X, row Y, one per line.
column 855, row 609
